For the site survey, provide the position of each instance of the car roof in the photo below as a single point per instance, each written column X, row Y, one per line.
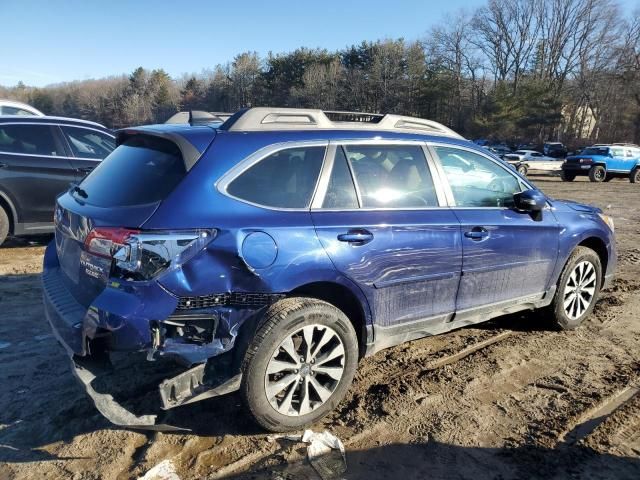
column 49, row 119
column 25, row 106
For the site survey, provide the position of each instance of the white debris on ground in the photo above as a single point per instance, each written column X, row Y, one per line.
column 165, row 470
column 325, row 452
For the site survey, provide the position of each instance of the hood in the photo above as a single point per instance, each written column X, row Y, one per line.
column 587, row 155
column 575, row 206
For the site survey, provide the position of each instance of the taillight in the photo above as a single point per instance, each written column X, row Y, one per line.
column 105, row 241
column 143, row 255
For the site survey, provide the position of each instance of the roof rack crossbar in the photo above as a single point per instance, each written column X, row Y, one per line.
column 267, row 118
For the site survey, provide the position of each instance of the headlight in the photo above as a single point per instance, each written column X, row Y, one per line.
column 608, row 220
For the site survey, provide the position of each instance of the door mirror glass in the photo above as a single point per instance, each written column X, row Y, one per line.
column 532, row 201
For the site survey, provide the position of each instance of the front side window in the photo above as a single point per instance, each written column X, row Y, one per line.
column 285, row 179
column 87, row 143
column 391, row 176
column 475, row 180
column 29, row 139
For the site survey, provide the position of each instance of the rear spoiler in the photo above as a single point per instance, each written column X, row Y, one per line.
column 190, row 154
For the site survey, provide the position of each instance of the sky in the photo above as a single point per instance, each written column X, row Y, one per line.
column 53, row 41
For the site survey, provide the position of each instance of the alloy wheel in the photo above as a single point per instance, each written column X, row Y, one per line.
column 580, row 289
column 304, row 370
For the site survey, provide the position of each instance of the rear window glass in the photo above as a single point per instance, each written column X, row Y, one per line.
column 285, row 179
column 142, row 170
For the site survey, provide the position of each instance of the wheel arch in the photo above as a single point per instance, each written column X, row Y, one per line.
column 600, row 247
column 354, row 306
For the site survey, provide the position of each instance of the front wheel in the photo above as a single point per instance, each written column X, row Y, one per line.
column 634, row 176
column 597, row 173
column 577, row 289
column 299, row 364
column 522, row 170
column 567, row 177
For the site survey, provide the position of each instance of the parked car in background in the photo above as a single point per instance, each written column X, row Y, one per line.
column 526, row 160
column 554, row 150
column 11, row 107
column 500, row 150
column 269, row 254
column 39, row 157
column 603, row 163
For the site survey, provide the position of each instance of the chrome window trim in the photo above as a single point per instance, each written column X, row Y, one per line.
column 61, row 124
column 49, row 156
column 447, row 186
column 316, row 205
column 223, row 182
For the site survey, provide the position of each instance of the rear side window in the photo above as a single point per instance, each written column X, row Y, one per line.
column 29, row 139
column 285, row 179
column 142, row 170
column 393, row 176
column 15, row 111
column 87, row 143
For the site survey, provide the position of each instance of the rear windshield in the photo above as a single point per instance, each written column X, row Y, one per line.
column 142, row 170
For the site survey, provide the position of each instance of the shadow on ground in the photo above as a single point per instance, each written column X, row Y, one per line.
column 435, row 460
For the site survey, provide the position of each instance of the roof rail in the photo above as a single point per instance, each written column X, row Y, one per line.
column 267, row 118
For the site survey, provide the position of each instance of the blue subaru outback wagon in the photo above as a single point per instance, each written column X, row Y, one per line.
column 270, row 253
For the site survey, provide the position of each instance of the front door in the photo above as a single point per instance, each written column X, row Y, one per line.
column 507, row 256
column 379, row 218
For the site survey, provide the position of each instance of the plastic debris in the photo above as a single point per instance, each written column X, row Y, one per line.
column 165, row 470
column 326, row 454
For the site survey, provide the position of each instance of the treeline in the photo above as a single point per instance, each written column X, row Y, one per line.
column 514, row 70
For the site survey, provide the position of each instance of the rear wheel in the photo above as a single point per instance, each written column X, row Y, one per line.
column 597, row 173
column 567, row 177
column 522, row 170
column 634, row 176
column 4, row 225
column 577, row 289
column 299, row 364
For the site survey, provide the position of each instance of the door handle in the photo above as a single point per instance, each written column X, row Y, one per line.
column 3, row 165
column 357, row 237
column 84, row 170
column 477, row 233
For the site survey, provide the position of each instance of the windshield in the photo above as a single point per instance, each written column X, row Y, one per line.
column 142, row 170
column 595, row 151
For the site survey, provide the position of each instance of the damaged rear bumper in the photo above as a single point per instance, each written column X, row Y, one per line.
column 85, row 335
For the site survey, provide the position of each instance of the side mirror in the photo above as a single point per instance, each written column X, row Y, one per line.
column 530, row 201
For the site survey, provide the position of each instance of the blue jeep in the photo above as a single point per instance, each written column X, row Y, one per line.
column 603, row 163
column 270, row 253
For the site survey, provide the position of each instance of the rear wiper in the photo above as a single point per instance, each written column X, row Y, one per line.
column 80, row 191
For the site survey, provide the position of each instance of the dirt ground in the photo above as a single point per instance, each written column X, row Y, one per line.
column 507, row 399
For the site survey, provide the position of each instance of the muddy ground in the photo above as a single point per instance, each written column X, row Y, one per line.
column 508, row 399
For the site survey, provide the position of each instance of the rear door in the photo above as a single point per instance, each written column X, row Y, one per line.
column 380, row 218
column 88, row 146
column 35, row 169
column 507, row 256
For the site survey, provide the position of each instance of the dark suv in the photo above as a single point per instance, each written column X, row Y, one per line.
column 39, row 157
column 271, row 253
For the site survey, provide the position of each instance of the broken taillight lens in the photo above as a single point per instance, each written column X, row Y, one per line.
column 143, row 255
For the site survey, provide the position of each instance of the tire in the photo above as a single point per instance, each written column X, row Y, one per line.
column 522, row 170
column 634, row 176
column 582, row 262
column 4, row 225
column 567, row 177
column 284, row 328
column 597, row 173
